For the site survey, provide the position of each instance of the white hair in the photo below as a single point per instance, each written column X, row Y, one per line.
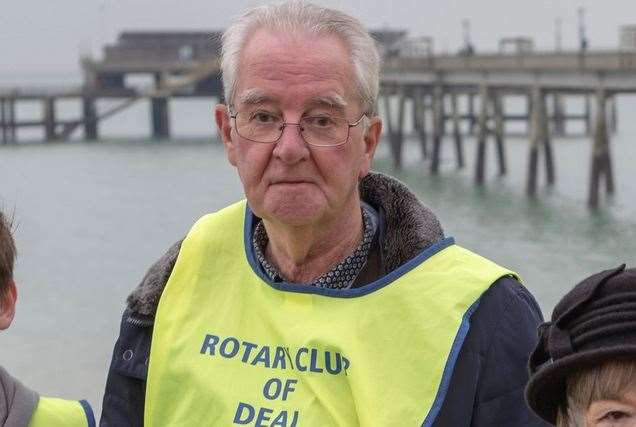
column 298, row 15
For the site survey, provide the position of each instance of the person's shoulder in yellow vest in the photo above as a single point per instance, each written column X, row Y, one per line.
column 23, row 407
column 20, row 406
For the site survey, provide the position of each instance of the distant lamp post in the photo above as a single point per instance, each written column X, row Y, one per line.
column 583, row 41
column 558, row 34
column 468, row 49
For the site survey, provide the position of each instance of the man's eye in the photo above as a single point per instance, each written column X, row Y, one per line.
column 320, row 121
column 261, row 117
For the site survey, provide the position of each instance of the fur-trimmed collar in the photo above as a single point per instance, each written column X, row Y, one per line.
column 410, row 227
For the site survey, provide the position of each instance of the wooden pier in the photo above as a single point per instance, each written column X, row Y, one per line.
column 547, row 81
column 180, row 65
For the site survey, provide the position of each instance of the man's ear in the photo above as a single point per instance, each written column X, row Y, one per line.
column 371, row 140
column 224, row 126
column 7, row 308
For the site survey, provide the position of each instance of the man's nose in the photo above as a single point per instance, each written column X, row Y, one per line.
column 291, row 147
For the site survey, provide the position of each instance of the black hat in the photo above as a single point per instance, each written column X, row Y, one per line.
column 594, row 323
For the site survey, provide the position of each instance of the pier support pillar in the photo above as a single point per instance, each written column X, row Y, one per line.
column 482, row 135
column 539, row 140
column 7, row 110
column 457, row 136
column 472, row 121
column 89, row 114
column 559, row 115
column 547, row 151
column 49, row 119
column 3, row 123
column 498, row 111
column 529, row 113
column 587, row 114
column 536, row 128
column 601, row 159
column 438, row 124
column 12, row 120
column 160, row 118
column 419, row 120
column 444, row 118
column 395, row 127
column 613, row 115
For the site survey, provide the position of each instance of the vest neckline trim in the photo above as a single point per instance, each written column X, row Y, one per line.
column 336, row 293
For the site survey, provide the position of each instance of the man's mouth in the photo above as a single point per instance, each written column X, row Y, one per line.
column 291, row 181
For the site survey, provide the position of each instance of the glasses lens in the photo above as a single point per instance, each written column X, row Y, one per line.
column 259, row 125
column 324, row 130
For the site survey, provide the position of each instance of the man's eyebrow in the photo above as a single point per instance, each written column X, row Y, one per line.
column 258, row 96
column 332, row 101
column 254, row 96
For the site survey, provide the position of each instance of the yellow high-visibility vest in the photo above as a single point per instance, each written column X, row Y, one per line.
column 52, row 412
column 231, row 348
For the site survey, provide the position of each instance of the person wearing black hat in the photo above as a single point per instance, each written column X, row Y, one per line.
column 583, row 369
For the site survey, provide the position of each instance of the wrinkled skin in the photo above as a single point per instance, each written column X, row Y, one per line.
column 307, row 196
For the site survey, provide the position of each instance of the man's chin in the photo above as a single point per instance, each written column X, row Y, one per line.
column 294, row 214
column 293, row 205
column 295, row 217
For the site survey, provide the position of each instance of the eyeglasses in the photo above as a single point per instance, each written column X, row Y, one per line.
column 320, row 130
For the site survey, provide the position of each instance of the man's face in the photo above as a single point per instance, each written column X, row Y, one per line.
column 295, row 76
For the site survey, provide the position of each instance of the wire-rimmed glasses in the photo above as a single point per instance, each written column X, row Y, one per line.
column 320, row 130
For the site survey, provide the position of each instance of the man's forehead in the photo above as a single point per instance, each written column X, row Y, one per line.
column 301, row 65
column 255, row 96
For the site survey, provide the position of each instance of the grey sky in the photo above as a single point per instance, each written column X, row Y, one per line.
column 38, row 36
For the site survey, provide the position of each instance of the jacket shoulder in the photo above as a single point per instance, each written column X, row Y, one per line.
column 488, row 379
column 505, row 304
column 145, row 298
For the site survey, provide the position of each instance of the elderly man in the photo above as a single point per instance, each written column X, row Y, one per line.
column 331, row 296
